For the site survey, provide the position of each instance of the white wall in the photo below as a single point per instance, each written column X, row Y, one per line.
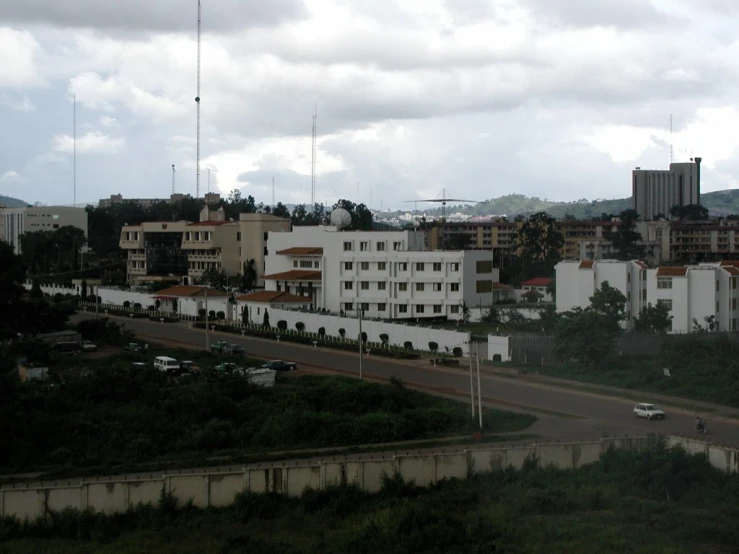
column 498, row 345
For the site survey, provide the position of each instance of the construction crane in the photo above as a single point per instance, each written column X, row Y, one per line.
column 443, row 200
column 197, row 103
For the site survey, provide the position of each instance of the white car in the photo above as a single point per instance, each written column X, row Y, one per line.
column 649, row 411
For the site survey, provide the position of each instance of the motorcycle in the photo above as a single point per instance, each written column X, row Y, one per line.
column 701, row 429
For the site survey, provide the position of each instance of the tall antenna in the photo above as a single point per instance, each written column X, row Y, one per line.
column 208, row 180
column 74, row 149
column 197, row 103
column 313, row 160
column 173, row 172
column 273, row 192
column 671, row 158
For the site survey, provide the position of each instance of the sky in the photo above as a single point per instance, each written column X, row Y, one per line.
column 415, row 99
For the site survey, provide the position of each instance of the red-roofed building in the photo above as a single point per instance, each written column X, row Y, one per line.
column 535, row 290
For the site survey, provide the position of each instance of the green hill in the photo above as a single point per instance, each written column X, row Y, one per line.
column 12, row 202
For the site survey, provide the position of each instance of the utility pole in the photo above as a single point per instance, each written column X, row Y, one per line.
column 207, row 331
column 197, row 103
column 173, row 172
column 74, row 150
column 97, row 299
column 313, row 159
column 273, row 192
column 479, row 388
column 472, row 383
column 361, row 377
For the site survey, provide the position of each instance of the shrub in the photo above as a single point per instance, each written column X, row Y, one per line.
column 364, row 337
column 282, row 325
column 201, row 313
column 321, row 331
column 157, row 303
column 433, row 346
column 300, row 326
column 342, row 332
column 137, row 306
column 152, row 307
column 457, row 351
column 408, row 345
column 221, row 315
column 385, row 339
column 127, row 304
column 212, row 314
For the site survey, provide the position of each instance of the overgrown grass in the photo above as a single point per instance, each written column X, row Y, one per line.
column 705, row 370
column 118, row 417
column 657, row 501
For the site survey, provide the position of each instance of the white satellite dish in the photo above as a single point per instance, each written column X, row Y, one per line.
column 341, row 218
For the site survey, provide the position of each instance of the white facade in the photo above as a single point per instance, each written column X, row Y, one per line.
column 386, row 274
column 16, row 221
column 577, row 282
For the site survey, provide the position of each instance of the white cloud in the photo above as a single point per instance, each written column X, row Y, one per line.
column 18, row 59
column 106, row 121
column 89, row 143
column 20, row 103
column 11, row 176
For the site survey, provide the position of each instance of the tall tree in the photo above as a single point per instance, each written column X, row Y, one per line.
column 539, row 239
column 691, row 212
column 653, row 319
column 626, row 240
column 249, row 276
column 215, row 277
column 280, row 210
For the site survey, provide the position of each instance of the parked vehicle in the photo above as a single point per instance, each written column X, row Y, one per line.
column 188, row 365
column 236, row 349
column 166, row 364
column 227, row 366
column 279, row 365
column 221, row 346
column 69, row 348
column 648, row 411
column 132, row 347
column 89, row 346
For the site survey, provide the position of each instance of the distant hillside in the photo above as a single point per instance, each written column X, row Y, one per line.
column 721, row 202
column 12, row 202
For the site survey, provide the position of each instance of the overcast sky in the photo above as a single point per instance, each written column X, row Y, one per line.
column 559, row 99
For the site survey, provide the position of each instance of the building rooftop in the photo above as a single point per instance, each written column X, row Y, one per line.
column 586, row 264
column 672, row 271
column 295, row 275
column 274, row 297
column 301, row 251
column 188, row 291
column 537, row 282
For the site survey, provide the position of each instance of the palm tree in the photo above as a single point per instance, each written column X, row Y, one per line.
column 214, row 277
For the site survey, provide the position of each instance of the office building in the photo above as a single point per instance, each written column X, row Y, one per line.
column 655, row 192
column 16, row 221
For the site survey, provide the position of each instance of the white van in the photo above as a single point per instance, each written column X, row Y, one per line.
column 166, row 364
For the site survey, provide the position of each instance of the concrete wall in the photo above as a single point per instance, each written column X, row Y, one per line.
column 498, row 346
column 218, row 488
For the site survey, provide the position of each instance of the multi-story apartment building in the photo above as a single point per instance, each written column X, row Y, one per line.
column 577, row 282
column 209, row 198
column 655, row 192
column 584, row 235
column 482, row 235
column 16, row 221
column 384, row 274
column 181, row 251
column 697, row 240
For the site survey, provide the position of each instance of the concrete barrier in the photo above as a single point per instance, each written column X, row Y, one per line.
column 219, row 487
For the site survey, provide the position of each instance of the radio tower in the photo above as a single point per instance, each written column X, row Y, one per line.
column 197, row 103
column 173, row 172
column 313, row 162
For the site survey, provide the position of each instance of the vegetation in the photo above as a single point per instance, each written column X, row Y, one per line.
column 658, row 501
column 626, row 240
column 106, row 412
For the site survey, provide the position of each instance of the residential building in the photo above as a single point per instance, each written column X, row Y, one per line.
column 180, row 251
column 172, row 299
column 498, row 234
column 386, row 274
column 535, row 290
column 256, row 303
column 655, row 192
column 577, row 282
column 16, row 221
column 209, row 198
column 587, row 235
column 698, row 240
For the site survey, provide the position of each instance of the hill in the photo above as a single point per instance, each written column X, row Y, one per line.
column 722, row 202
column 12, row 202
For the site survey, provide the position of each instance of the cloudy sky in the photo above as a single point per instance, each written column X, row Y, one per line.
column 552, row 98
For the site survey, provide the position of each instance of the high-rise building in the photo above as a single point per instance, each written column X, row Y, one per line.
column 656, row 191
column 16, row 221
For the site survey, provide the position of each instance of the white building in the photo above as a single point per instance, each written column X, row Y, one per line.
column 387, row 274
column 577, row 282
column 16, row 221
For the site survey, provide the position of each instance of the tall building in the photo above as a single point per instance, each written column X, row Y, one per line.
column 16, row 221
column 656, row 191
column 209, row 198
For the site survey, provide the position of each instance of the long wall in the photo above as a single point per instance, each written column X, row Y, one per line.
column 218, row 488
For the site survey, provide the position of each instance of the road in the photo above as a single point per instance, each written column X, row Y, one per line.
column 596, row 415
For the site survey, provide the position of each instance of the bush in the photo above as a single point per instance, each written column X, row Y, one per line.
column 457, row 352
column 127, row 304
column 152, row 308
column 282, row 325
column 300, row 326
column 322, row 331
column 408, row 345
column 342, row 333
column 221, row 315
column 137, row 306
column 212, row 314
column 385, row 339
column 433, row 346
column 364, row 337
column 201, row 313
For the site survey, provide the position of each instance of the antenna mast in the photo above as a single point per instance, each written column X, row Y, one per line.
column 313, row 161
column 173, row 172
column 208, row 180
column 74, row 150
column 273, row 192
column 197, row 102
column 671, row 158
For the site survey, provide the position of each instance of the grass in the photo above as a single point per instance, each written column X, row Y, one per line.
column 657, row 501
column 119, row 418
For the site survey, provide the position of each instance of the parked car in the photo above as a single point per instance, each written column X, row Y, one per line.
column 68, row 348
column 220, row 346
column 649, row 411
column 279, row 365
column 168, row 365
column 227, row 366
column 132, row 347
column 236, row 349
column 89, row 346
column 188, row 365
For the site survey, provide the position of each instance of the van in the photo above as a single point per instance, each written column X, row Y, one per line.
column 71, row 348
column 166, row 364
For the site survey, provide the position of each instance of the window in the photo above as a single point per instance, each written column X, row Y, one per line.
column 454, row 266
column 265, row 237
column 666, row 302
column 437, row 287
column 348, row 285
column 364, row 285
column 348, row 246
column 364, row 306
column 419, row 266
column 402, row 309
column 419, row 309
column 437, row 266
column 316, row 265
column 664, row 282
column 454, row 309
column 364, row 246
column 348, row 266
column 733, row 303
column 733, row 282
column 364, row 266
column 381, row 266
column 397, row 246
column 380, row 246
column 437, row 308
column 484, row 286
column 238, row 236
column 381, row 307
column 402, row 266
column 419, row 287
column 484, row 266
column 306, row 264
column 717, row 285
column 348, row 306
column 381, row 285
column 295, row 263
column 454, row 287
column 402, row 287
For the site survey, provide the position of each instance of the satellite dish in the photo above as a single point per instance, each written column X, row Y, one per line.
column 341, row 218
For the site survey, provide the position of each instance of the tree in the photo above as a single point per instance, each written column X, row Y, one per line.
column 361, row 215
column 549, row 318
column 36, row 290
column 299, row 216
column 626, row 240
column 214, row 277
column 691, row 212
column 653, row 319
column 280, row 210
column 265, row 320
column 83, row 290
column 249, row 277
column 610, row 304
column 539, row 239
column 552, row 289
column 465, row 312
column 458, row 241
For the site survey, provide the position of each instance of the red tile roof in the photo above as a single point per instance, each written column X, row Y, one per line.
column 586, row 264
column 672, row 271
column 295, row 275
column 731, row 269
column 537, row 282
column 189, row 291
column 641, row 264
column 734, row 263
column 501, row 286
column 274, row 297
column 301, row 251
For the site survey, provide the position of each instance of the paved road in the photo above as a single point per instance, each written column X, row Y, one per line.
column 599, row 415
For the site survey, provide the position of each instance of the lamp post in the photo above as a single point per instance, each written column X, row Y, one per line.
column 472, row 383
column 360, row 345
column 479, row 388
